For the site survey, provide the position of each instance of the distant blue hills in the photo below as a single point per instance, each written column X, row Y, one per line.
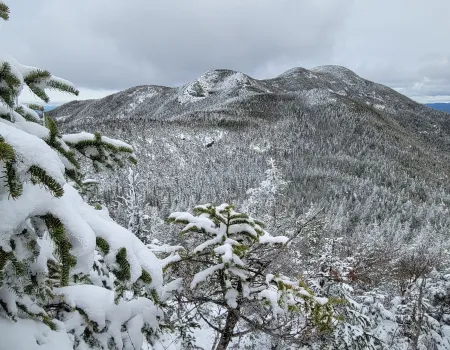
column 50, row 107
column 439, row 106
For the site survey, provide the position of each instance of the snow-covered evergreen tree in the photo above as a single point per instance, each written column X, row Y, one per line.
column 65, row 267
column 133, row 205
column 264, row 200
column 334, row 277
column 228, row 265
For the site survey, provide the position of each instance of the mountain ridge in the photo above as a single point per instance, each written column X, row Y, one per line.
column 207, row 85
column 354, row 147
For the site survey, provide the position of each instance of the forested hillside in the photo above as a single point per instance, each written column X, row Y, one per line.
column 366, row 154
column 370, row 163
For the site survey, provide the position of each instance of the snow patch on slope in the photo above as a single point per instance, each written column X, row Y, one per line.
column 318, row 97
column 341, row 73
column 211, row 82
column 139, row 96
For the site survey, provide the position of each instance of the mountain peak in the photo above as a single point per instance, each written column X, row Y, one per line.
column 333, row 69
column 220, row 90
column 223, row 81
column 343, row 74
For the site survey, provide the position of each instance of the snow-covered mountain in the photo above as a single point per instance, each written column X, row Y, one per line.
column 357, row 148
column 223, row 90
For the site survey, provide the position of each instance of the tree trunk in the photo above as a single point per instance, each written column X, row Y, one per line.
column 227, row 333
column 420, row 314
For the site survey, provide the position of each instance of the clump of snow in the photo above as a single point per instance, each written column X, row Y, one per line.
column 95, row 301
column 268, row 238
column 33, row 151
column 201, row 276
column 231, row 296
column 26, row 334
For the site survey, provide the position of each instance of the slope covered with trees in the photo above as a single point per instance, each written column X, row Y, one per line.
column 369, row 161
column 72, row 278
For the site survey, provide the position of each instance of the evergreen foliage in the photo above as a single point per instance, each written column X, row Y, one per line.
column 228, row 264
column 68, row 273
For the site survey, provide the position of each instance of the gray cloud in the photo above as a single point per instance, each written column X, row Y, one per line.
column 109, row 45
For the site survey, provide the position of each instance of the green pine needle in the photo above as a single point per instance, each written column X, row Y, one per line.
column 13, row 181
column 58, row 235
column 106, row 153
column 39, row 175
column 6, row 151
column 10, row 84
column 4, row 257
column 29, row 117
column 39, row 93
column 60, row 86
column 4, row 11
column 51, row 126
column 124, row 273
column 103, row 245
column 36, row 107
column 36, row 76
column 145, row 277
column 7, row 95
column 6, row 117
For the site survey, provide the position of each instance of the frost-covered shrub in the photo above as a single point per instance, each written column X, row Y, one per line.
column 228, row 265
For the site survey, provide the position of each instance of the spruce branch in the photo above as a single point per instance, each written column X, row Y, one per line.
column 36, row 76
column 39, row 92
column 10, row 84
column 39, row 175
column 123, row 274
column 36, row 107
column 59, row 236
column 103, row 245
column 53, row 129
column 13, row 182
column 4, row 11
column 28, row 116
column 60, row 86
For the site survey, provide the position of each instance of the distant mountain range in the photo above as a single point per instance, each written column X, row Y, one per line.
column 368, row 155
column 439, row 106
column 50, row 107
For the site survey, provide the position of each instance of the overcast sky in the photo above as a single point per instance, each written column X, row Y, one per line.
column 107, row 45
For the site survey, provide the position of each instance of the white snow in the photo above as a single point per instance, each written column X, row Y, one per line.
column 212, row 81
column 318, row 97
column 95, row 301
column 26, row 334
column 341, row 73
column 201, row 276
column 231, row 296
column 321, row 301
column 140, row 95
column 33, row 151
column 85, row 136
column 268, row 238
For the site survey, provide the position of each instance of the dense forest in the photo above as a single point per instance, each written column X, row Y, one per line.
column 375, row 174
